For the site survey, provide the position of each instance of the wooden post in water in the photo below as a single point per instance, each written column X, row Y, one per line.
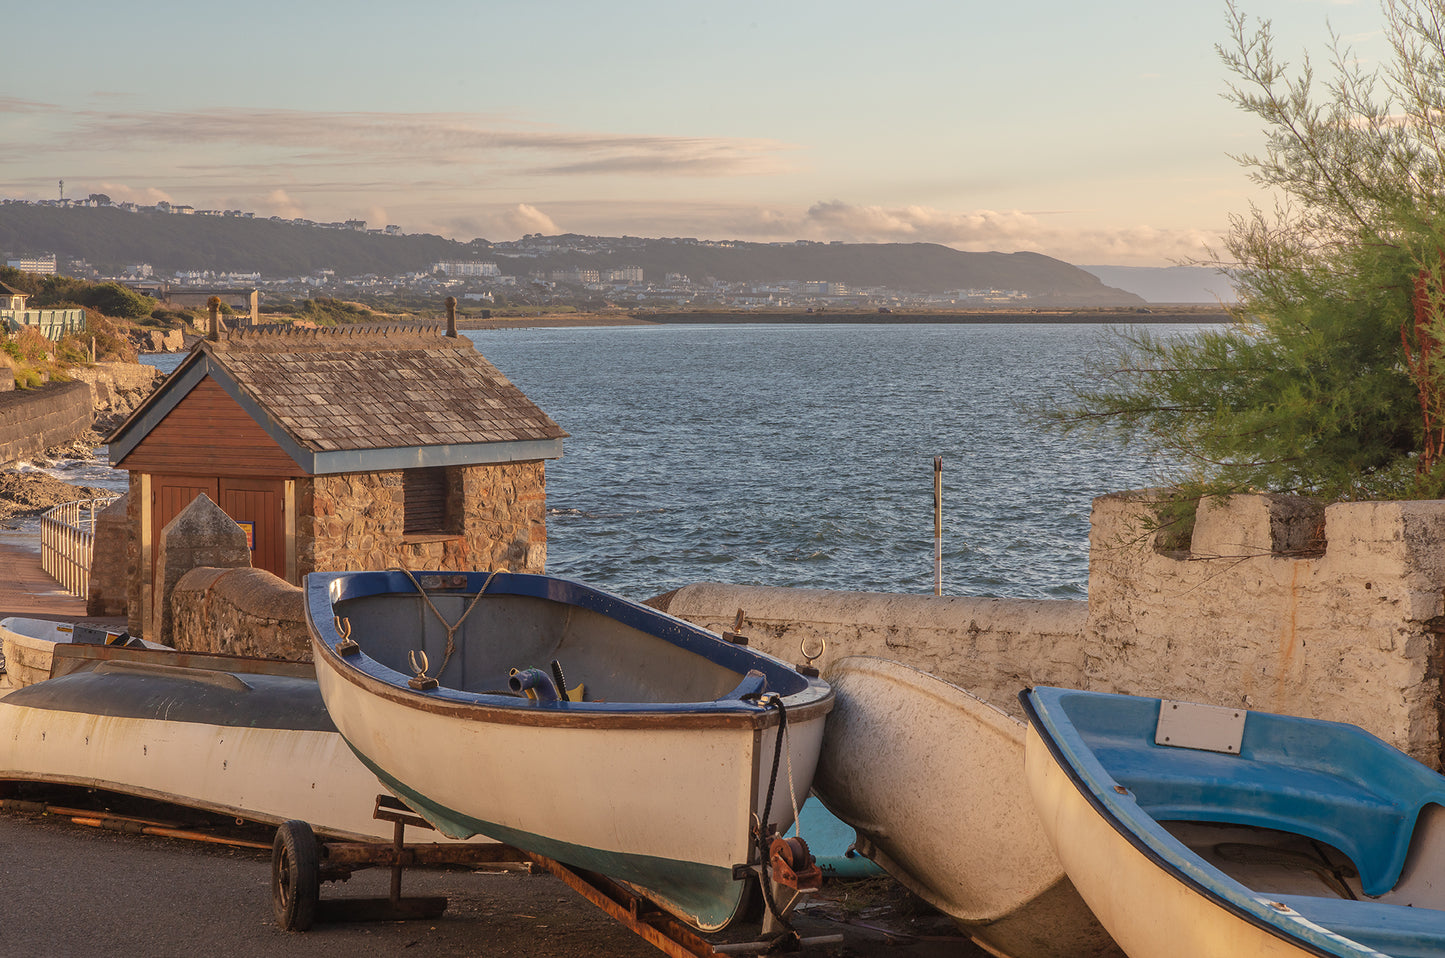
column 938, row 525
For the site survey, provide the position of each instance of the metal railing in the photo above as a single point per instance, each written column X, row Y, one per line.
column 67, row 542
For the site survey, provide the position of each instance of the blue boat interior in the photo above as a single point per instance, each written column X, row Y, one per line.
column 1326, row 782
column 608, row 650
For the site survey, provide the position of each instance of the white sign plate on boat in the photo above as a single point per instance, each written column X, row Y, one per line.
column 1209, row 728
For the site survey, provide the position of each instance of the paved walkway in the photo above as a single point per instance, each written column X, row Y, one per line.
column 27, row 589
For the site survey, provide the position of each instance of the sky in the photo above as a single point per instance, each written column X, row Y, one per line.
column 1096, row 132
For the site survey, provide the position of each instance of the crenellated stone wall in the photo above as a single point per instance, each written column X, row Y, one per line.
column 1345, row 624
column 240, row 612
column 1273, row 604
column 356, row 520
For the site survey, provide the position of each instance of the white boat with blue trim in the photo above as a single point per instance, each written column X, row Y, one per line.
column 570, row 723
column 1196, row 831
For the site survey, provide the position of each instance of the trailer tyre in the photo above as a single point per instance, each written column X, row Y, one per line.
column 295, row 876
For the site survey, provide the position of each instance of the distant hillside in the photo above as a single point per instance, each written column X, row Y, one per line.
column 111, row 239
column 1168, row 284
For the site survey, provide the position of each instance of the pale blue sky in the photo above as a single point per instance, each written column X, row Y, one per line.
column 1092, row 132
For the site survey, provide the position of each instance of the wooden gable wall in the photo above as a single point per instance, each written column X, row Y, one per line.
column 209, row 434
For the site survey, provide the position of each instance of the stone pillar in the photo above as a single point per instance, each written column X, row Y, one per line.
column 110, row 560
column 201, row 535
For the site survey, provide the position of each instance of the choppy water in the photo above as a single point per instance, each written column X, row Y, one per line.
column 803, row 455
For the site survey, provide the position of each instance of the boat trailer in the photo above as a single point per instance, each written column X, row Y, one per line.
column 300, row 863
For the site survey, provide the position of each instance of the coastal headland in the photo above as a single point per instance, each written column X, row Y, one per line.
column 1103, row 316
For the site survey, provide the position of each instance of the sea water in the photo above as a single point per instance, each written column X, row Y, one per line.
column 798, row 455
column 802, row 455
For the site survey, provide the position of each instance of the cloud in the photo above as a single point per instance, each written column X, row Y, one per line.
column 124, row 193
column 528, row 219
column 279, row 203
column 369, row 139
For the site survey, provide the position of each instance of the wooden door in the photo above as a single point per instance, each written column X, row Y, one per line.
column 258, row 505
column 171, row 494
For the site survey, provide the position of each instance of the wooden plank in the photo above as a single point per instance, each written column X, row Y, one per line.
column 208, row 433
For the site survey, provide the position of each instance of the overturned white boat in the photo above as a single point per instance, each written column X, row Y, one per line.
column 570, row 723
column 932, row 779
column 244, row 737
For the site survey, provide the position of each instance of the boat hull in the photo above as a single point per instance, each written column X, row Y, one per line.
column 1147, row 910
column 1194, row 830
column 259, row 748
column 660, row 796
column 932, row 779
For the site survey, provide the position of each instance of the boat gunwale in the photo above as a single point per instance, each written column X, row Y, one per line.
column 1244, row 903
column 813, row 701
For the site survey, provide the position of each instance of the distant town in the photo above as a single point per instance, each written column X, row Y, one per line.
column 506, row 273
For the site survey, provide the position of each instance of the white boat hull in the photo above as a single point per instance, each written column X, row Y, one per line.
column 932, row 779
column 667, row 809
column 653, row 774
column 1149, row 912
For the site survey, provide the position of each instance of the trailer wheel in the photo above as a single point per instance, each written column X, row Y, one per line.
column 295, row 876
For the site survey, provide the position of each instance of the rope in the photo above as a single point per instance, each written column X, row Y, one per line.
column 766, row 882
column 451, row 629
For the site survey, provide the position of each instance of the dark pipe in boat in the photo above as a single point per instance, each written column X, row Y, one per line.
column 536, row 681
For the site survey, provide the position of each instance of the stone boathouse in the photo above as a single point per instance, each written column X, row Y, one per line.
column 347, row 448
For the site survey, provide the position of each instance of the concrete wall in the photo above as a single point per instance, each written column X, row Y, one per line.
column 33, row 420
column 1272, row 605
column 992, row 647
column 355, row 521
column 240, row 612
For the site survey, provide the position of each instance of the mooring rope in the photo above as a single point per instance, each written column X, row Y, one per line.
column 451, row 629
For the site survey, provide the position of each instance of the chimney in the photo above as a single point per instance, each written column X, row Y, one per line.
column 215, row 330
column 452, row 317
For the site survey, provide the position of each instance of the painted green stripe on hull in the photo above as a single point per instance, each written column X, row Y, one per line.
column 705, row 895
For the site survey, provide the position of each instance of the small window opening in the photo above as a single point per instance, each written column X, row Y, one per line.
column 424, row 501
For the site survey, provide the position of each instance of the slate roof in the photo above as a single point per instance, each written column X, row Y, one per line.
column 371, row 388
column 336, row 397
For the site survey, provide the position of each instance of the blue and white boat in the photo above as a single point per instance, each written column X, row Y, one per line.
column 1196, row 831
column 570, row 723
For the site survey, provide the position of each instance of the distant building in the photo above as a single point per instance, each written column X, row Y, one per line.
column 40, row 265
column 460, row 269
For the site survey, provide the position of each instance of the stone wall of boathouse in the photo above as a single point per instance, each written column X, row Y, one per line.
column 497, row 516
column 1272, row 604
column 239, row 612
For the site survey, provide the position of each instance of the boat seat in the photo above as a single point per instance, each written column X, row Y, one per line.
column 1174, row 784
column 1395, row 930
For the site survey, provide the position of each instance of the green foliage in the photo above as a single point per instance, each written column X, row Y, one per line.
column 113, row 299
column 330, row 312
column 1311, row 390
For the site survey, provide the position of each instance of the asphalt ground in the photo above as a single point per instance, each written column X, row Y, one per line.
column 75, row 891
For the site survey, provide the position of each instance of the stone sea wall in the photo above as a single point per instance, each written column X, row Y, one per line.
column 239, row 612
column 1335, row 614
column 33, row 420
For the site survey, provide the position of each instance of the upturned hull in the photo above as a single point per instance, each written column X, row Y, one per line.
column 657, row 794
column 932, row 779
column 175, row 736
